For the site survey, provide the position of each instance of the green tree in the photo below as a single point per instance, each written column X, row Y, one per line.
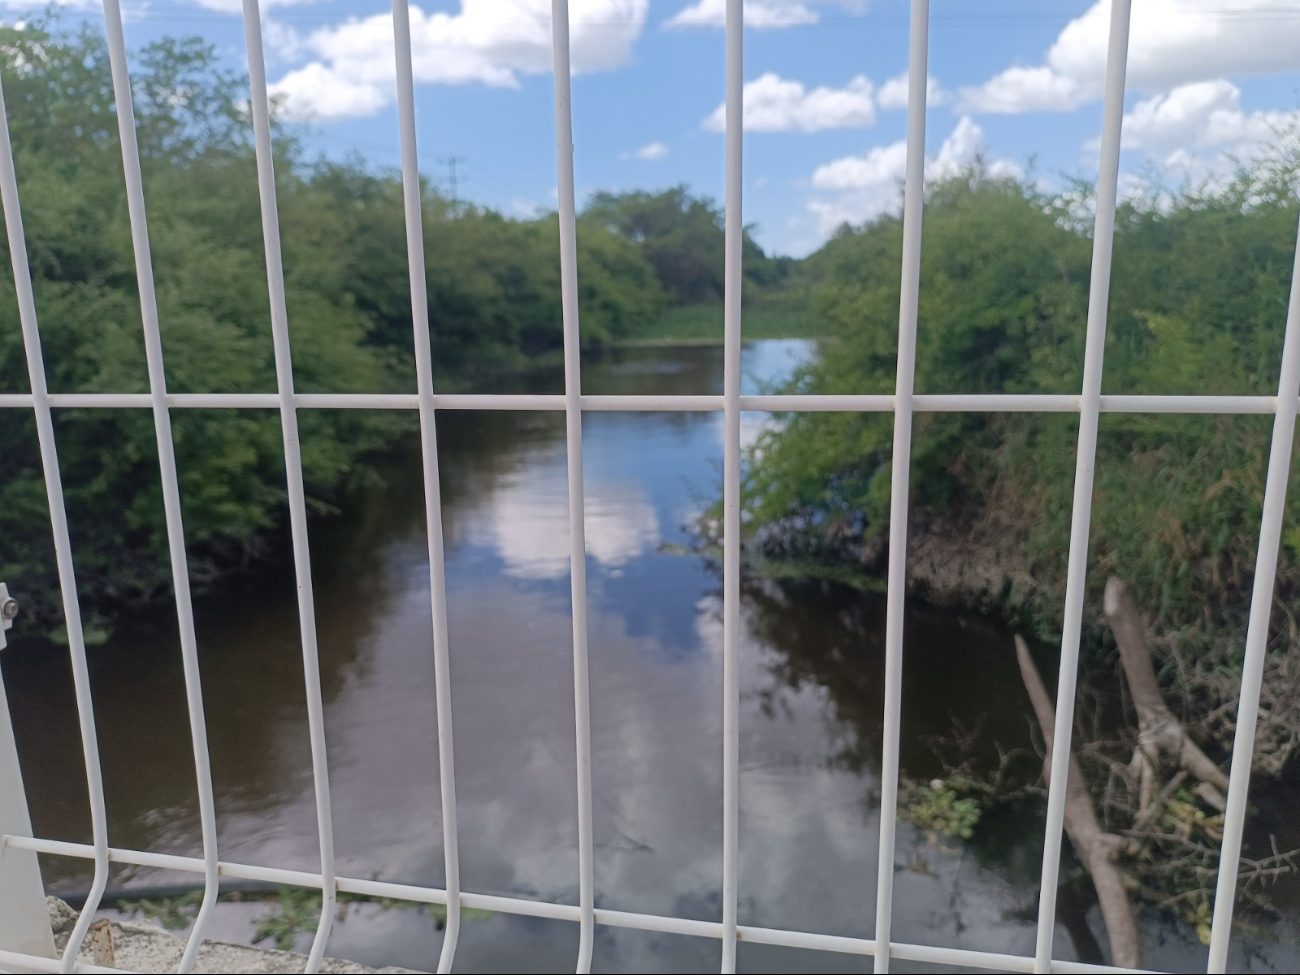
column 681, row 236
column 494, row 299
column 1198, row 300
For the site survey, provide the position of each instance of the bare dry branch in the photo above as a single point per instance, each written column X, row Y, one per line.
column 1158, row 730
column 1098, row 850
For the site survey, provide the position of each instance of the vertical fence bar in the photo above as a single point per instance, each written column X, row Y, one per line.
column 896, row 592
column 1261, row 605
column 260, row 106
column 167, row 470
column 732, row 278
column 62, row 539
column 24, row 917
column 573, row 437
column 429, row 458
column 1103, row 238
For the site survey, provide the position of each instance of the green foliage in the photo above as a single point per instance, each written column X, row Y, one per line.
column 938, row 810
column 1197, row 305
column 173, row 913
column 213, row 306
column 297, row 911
column 778, row 314
column 681, row 236
column 494, row 300
column 293, row 911
column 438, row 912
column 494, row 283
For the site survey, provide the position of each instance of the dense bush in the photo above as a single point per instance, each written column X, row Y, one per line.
column 494, row 299
column 1198, row 304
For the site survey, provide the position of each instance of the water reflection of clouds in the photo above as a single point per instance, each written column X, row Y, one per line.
column 808, row 840
column 808, row 827
column 525, row 520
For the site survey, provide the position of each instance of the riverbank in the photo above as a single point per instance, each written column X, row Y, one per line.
column 975, row 559
column 783, row 314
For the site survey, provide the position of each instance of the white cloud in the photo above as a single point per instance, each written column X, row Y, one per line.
column 759, row 14
column 41, row 4
column 525, row 520
column 282, row 40
column 893, row 93
column 1204, row 114
column 236, row 7
column 776, row 104
column 1200, row 133
column 869, row 185
column 648, row 152
column 882, row 165
column 963, row 144
column 316, row 91
column 491, row 42
column 1017, row 90
column 1172, row 42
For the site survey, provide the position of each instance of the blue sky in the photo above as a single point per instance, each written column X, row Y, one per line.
column 1015, row 80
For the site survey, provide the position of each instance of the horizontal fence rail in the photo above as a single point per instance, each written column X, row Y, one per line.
column 565, row 912
column 903, row 403
column 706, row 403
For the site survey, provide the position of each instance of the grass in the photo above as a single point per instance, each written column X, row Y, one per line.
column 779, row 315
column 293, row 910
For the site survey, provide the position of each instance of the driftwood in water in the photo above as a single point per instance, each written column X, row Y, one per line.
column 1098, row 850
column 1162, row 747
column 1159, row 732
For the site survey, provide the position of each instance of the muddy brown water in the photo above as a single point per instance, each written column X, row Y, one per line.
column 812, row 668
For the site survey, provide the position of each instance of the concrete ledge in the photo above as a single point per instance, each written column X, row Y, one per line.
column 139, row 946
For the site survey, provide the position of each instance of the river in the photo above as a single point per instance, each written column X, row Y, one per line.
column 812, row 668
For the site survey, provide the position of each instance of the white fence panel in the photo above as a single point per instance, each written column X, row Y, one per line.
column 21, row 899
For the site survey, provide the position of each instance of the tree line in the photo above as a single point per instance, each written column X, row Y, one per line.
column 1198, row 302
column 1198, row 305
column 494, row 302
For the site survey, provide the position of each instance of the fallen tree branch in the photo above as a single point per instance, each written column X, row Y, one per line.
column 1098, row 850
column 1147, row 816
column 1159, row 732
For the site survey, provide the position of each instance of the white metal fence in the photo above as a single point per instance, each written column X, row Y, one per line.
column 24, row 945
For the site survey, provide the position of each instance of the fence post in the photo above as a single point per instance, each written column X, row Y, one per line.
column 24, row 918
